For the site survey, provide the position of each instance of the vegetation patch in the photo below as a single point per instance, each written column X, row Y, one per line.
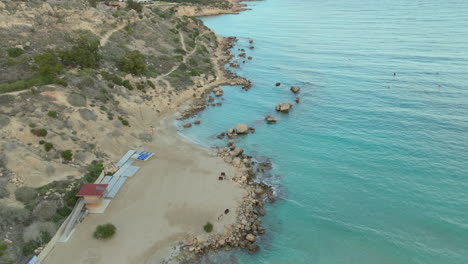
column 67, row 155
column 15, row 52
column 39, row 132
column 105, row 231
column 52, row 114
column 93, row 171
column 83, row 54
column 132, row 62
column 208, row 227
column 48, row 146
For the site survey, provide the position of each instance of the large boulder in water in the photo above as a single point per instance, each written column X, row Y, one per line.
column 284, row 107
column 270, row 119
column 295, row 89
column 242, row 129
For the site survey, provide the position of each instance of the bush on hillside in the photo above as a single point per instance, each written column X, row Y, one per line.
column 67, row 155
column 25, row 194
column 132, row 62
column 134, row 5
column 48, row 65
column 52, row 114
column 15, row 52
column 83, row 54
column 48, row 146
column 39, row 132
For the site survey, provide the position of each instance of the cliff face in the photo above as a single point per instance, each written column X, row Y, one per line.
column 76, row 84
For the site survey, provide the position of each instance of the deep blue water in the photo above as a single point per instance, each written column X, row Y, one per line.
column 373, row 168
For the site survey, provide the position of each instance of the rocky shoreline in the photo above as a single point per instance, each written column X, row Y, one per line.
column 248, row 225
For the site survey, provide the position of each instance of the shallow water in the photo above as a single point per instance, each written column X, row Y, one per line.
column 373, row 167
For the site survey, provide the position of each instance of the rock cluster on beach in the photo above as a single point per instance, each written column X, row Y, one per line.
column 248, row 225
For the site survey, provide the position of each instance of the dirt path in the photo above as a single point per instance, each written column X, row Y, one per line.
column 184, row 58
column 106, row 36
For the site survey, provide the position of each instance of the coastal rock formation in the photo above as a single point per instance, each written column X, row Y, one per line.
column 197, row 122
column 284, row 107
column 297, row 100
column 264, row 162
column 270, row 119
column 218, row 91
column 231, row 133
column 277, row 84
column 236, row 152
column 295, row 89
column 250, row 237
column 242, row 129
column 187, row 125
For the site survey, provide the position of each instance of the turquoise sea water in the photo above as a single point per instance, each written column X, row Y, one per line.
column 372, row 168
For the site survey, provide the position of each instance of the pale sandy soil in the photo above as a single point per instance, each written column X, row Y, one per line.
column 173, row 195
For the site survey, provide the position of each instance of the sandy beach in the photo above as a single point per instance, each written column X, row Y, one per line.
column 172, row 196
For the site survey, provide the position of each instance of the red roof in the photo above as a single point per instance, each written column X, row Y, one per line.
column 92, row 190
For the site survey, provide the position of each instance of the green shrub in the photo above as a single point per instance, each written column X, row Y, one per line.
column 195, row 72
column 134, row 5
column 41, row 142
column 180, row 51
column 132, row 62
column 127, row 84
column 39, row 132
column 208, row 227
column 141, row 86
column 72, row 201
column 125, row 122
column 29, row 247
column 64, row 211
column 93, row 171
column 67, row 155
column 112, row 78
column 45, row 237
column 48, row 146
column 15, row 52
column 84, row 53
column 105, row 231
column 150, row 84
column 103, row 108
column 3, row 247
column 48, row 65
column 25, row 194
column 52, row 114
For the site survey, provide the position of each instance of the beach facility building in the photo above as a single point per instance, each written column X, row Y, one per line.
column 93, row 195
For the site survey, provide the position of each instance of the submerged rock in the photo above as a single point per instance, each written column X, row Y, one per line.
column 187, row 125
column 295, row 89
column 277, row 84
column 270, row 119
